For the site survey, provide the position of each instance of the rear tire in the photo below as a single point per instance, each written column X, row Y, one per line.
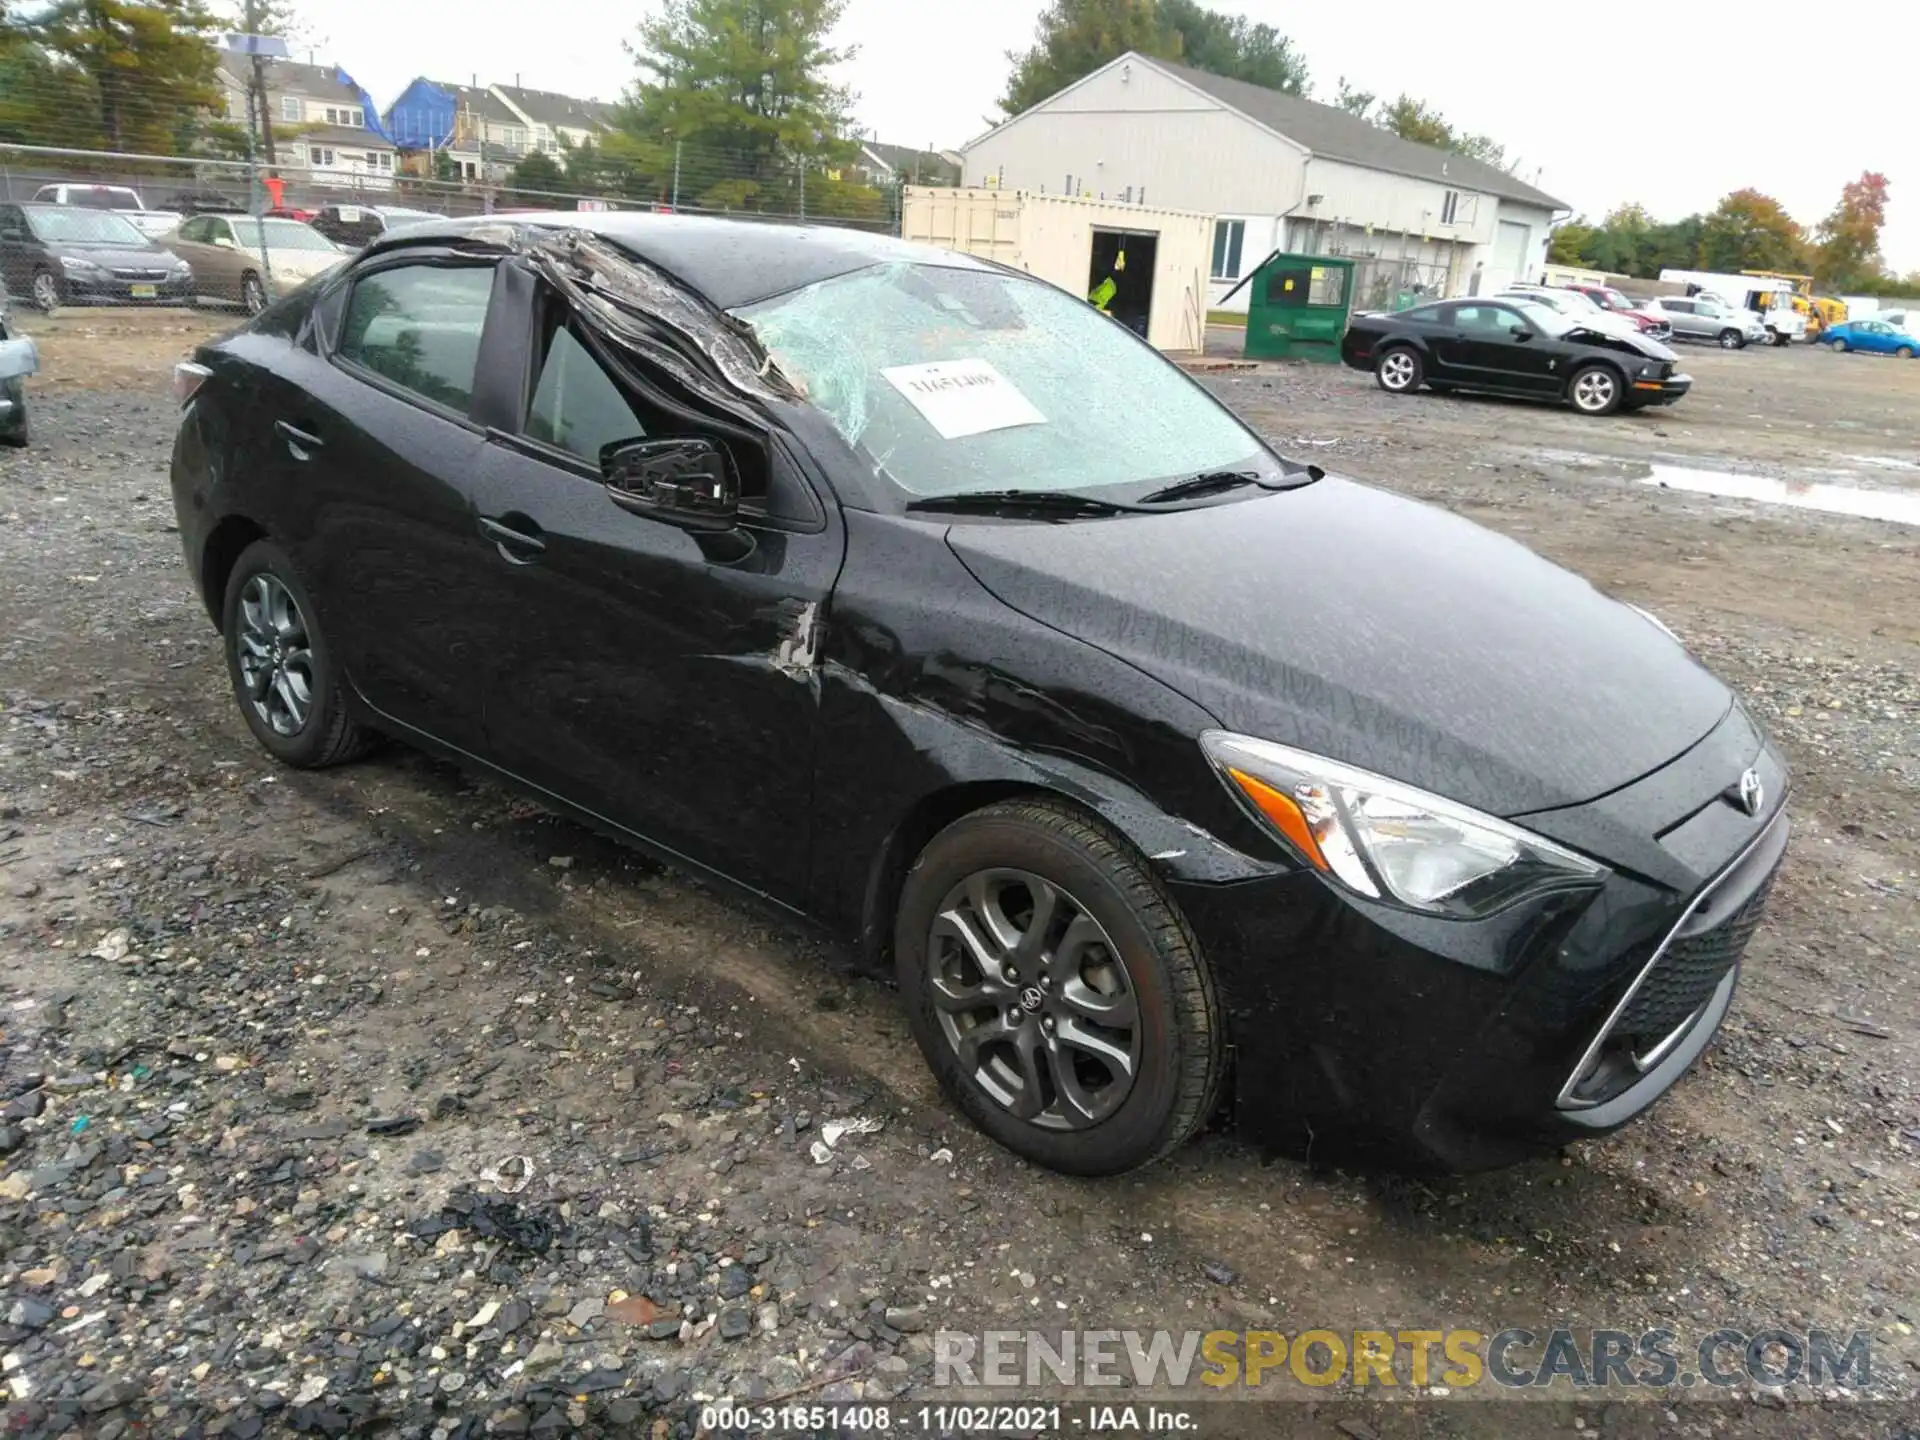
column 282, row 672
column 1056, row 991
column 1398, row 371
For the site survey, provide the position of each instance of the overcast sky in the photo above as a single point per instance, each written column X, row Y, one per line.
column 1603, row 118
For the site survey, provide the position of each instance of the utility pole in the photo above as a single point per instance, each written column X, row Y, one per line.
column 256, row 18
column 676, row 177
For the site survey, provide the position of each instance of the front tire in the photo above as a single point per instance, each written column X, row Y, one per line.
column 283, row 674
column 45, row 291
column 1595, row 390
column 253, row 295
column 1905, row 352
column 1399, row 371
column 1732, row 340
column 1840, row 344
column 1056, row 991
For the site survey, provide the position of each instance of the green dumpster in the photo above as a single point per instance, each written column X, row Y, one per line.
column 1299, row 306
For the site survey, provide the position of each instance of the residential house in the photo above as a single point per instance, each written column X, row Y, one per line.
column 885, row 166
column 557, row 123
column 325, row 128
column 1280, row 173
column 486, row 130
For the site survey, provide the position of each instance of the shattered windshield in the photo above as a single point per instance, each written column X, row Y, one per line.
column 953, row 380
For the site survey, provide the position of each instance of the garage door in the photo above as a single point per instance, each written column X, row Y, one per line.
column 1509, row 255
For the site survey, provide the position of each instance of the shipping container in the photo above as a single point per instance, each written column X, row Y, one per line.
column 1148, row 268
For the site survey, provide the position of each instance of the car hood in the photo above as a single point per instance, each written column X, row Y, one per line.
column 1623, row 336
column 151, row 256
column 1372, row 629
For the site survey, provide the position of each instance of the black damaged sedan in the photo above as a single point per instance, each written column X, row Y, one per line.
column 920, row 601
column 1509, row 345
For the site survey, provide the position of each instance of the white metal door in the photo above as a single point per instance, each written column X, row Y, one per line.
column 1510, row 244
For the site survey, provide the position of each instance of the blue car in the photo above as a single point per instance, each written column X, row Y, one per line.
column 1875, row 336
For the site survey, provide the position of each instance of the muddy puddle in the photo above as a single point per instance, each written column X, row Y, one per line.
column 1900, row 506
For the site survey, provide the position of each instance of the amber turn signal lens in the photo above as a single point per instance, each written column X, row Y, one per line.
column 1283, row 813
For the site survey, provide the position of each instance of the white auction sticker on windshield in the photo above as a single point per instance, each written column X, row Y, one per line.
column 963, row 397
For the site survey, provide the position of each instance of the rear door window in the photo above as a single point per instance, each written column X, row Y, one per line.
column 419, row 327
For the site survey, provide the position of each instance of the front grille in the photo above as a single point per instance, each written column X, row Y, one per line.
column 1687, row 973
column 140, row 274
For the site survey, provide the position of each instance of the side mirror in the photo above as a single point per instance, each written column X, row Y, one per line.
column 688, row 483
column 1521, row 333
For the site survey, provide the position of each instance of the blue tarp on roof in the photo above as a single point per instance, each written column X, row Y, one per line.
column 368, row 111
column 422, row 118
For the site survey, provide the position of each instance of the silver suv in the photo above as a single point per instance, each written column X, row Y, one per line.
column 1703, row 317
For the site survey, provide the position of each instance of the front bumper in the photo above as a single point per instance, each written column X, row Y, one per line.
column 113, row 290
column 1662, row 392
column 1371, row 1034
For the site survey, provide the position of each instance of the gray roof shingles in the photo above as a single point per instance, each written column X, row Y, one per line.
column 545, row 107
column 1330, row 131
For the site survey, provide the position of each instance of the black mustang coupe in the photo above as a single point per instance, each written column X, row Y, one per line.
column 1513, row 346
column 917, row 599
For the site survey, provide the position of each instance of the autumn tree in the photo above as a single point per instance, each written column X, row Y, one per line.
column 147, row 65
column 1749, row 230
column 746, row 87
column 1848, row 253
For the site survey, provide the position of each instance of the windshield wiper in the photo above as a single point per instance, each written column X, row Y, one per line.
column 1027, row 502
column 1211, row 482
column 1214, row 482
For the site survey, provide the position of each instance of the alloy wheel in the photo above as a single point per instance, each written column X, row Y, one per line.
column 46, row 291
column 253, row 295
column 275, row 655
column 1730, row 340
column 1840, row 346
column 1033, row 997
column 1396, row 370
column 1594, row 391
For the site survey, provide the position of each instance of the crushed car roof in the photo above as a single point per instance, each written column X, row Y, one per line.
column 729, row 263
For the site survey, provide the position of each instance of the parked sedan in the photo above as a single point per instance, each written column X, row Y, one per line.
column 246, row 259
column 806, row 560
column 1874, row 336
column 65, row 255
column 1514, row 346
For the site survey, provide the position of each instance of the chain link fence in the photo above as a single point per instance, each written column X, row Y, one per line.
column 137, row 229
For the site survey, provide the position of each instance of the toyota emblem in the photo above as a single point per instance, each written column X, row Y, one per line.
column 1752, row 793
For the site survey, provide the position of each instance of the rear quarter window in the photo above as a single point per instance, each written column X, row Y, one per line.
column 419, row 326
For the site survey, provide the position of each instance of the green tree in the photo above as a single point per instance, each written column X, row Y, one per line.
column 1354, row 102
column 148, row 63
column 1674, row 245
column 1751, row 231
column 535, row 178
column 1570, row 242
column 744, row 86
column 1417, row 121
column 1234, row 46
column 1848, row 257
column 42, row 103
column 1076, row 37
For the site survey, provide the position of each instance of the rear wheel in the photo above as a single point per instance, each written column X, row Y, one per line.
column 1055, row 990
column 282, row 672
column 1399, row 370
column 1731, row 339
column 1595, row 390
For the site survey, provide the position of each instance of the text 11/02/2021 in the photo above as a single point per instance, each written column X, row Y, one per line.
column 741, row 1418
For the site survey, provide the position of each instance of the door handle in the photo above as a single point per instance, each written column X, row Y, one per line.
column 517, row 546
column 299, row 442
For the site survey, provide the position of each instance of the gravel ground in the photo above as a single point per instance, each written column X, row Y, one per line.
column 380, row 1101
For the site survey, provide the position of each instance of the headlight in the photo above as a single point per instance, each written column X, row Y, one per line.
column 74, row 262
column 1389, row 841
column 180, row 267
